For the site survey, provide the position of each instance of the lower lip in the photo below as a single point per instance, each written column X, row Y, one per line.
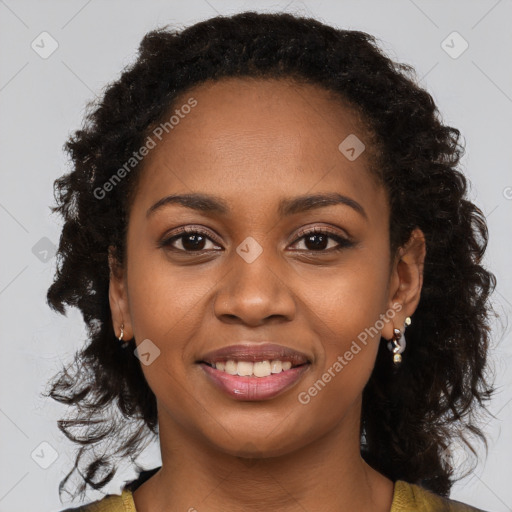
column 254, row 388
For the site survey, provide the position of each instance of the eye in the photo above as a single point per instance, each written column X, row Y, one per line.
column 317, row 240
column 191, row 239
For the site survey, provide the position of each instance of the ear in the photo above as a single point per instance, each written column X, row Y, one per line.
column 406, row 281
column 118, row 298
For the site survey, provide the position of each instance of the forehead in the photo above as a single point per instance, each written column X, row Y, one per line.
column 262, row 138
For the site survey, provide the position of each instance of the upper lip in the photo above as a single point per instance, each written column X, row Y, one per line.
column 255, row 352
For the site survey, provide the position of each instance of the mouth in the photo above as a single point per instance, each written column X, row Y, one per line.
column 254, row 371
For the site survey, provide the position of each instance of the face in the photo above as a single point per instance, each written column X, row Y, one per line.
column 249, row 269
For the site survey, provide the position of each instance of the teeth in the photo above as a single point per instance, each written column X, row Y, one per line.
column 276, row 366
column 245, row 368
column 231, row 367
column 261, row 369
column 249, row 369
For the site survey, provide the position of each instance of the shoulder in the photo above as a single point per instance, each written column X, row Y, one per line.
column 110, row 503
column 409, row 497
column 115, row 502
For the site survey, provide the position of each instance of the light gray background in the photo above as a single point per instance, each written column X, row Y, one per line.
column 42, row 101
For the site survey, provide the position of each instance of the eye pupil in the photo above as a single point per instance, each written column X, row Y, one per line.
column 195, row 245
column 321, row 245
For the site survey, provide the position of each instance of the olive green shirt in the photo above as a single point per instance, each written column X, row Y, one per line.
column 406, row 498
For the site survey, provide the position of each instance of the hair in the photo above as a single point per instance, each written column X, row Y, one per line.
column 411, row 417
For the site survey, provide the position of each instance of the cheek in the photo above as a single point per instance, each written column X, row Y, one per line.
column 168, row 306
column 351, row 298
column 347, row 312
column 165, row 310
column 163, row 300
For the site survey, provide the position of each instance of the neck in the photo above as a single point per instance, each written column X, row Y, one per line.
column 328, row 474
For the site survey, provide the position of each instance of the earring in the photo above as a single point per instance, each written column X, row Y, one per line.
column 397, row 343
column 398, row 346
column 121, row 335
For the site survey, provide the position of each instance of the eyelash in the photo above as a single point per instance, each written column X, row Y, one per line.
column 342, row 241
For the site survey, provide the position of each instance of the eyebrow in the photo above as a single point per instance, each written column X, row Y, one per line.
column 290, row 206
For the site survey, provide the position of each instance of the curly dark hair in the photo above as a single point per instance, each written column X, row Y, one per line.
column 410, row 417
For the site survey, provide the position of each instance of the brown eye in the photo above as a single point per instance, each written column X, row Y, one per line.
column 317, row 240
column 190, row 239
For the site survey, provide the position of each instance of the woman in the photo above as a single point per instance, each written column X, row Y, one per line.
column 275, row 256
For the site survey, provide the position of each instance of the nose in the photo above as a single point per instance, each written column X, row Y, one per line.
column 254, row 293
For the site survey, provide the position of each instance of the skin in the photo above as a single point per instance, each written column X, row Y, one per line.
column 253, row 143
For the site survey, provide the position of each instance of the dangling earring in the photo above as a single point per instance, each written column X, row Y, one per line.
column 398, row 346
column 120, row 338
column 397, row 343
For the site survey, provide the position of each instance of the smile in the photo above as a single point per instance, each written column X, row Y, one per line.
column 263, row 380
